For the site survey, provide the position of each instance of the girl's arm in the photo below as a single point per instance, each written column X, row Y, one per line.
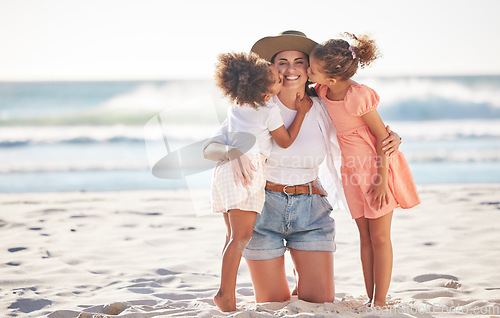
column 380, row 187
column 285, row 137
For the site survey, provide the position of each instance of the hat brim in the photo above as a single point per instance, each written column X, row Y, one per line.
column 269, row 46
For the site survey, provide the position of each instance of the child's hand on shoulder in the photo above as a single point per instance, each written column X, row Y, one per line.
column 304, row 104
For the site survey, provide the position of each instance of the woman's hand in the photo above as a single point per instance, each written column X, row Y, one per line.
column 391, row 143
column 242, row 167
column 304, row 104
column 380, row 191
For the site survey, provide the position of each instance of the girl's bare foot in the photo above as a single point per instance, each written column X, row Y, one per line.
column 225, row 303
column 380, row 304
column 366, row 305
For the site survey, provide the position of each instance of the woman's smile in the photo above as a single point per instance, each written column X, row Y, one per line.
column 293, row 66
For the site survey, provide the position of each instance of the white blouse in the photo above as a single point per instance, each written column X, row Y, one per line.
column 315, row 153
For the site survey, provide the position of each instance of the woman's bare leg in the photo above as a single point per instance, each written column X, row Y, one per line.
column 294, row 291
column 366, row 253
column 380, row 234
column 269, row 279
column 241, row 225
column 314, row 275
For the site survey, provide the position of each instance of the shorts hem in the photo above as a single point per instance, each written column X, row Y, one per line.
column 320, row 246
column 260, row 255
column 242, row 209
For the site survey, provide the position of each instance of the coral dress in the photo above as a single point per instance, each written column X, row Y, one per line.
column 359, row 155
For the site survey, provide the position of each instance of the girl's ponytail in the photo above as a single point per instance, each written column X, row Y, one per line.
column 340, row 59
column 365, row 49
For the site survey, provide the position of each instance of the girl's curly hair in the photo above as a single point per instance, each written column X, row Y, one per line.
column 341, row 59
column 244, row 78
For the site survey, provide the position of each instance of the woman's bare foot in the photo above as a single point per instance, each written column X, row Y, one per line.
column 225, row 303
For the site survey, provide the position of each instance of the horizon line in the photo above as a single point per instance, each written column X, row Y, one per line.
column 141, row 79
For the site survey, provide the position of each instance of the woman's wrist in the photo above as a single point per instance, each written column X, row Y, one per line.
column 231, row 152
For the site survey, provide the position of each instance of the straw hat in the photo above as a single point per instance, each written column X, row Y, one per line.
column 291, row 40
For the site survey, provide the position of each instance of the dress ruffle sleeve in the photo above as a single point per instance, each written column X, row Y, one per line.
column 360, row 99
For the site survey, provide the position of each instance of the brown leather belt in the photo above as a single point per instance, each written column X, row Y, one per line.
column 297, row 189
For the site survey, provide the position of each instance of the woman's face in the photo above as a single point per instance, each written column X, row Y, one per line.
column 292, row 65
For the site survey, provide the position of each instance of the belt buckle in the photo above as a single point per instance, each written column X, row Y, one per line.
column 284, row 190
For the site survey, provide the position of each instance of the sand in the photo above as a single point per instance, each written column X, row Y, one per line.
column 147, row 254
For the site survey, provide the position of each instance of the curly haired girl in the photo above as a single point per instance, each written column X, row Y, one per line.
column 253, row 121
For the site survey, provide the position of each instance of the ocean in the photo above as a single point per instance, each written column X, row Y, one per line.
column 99, row 136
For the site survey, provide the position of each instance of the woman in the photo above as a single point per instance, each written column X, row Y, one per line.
column 296, row 210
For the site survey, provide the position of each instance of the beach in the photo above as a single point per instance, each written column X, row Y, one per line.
column 87, row 230
column 105, row 192
column 146, row 253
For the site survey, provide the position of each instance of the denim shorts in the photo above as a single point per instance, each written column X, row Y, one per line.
column 297, row 221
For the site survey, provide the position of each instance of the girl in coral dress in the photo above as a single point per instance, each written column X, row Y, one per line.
column 374, row 183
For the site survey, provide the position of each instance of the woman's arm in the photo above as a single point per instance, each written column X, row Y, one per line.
column 380, row 187
column 216, row 151
column 285, row 137
column 240, row 164
column 391, row 143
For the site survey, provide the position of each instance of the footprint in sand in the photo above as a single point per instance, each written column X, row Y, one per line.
column 141, row 290
column 497, row 203
column 189, row 228
column 430, row 243
column 152, row 213
column 13, row 264
column 245, row 291
column 429, row 277
column 164, row 272
column 491, row 203
column 16, row 249
column 27, row 305
column 452, row 284
column 435, row 294
column 53, row 210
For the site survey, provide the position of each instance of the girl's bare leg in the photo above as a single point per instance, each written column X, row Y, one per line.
column 366, row 253
column 314, row 275
column 269, row 279
column 241, row 225
column 228, row 231
column 380, row 234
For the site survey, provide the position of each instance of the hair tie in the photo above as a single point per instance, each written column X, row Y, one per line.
column 351, row 48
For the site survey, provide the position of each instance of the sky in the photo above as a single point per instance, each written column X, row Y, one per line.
column 53, row 40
